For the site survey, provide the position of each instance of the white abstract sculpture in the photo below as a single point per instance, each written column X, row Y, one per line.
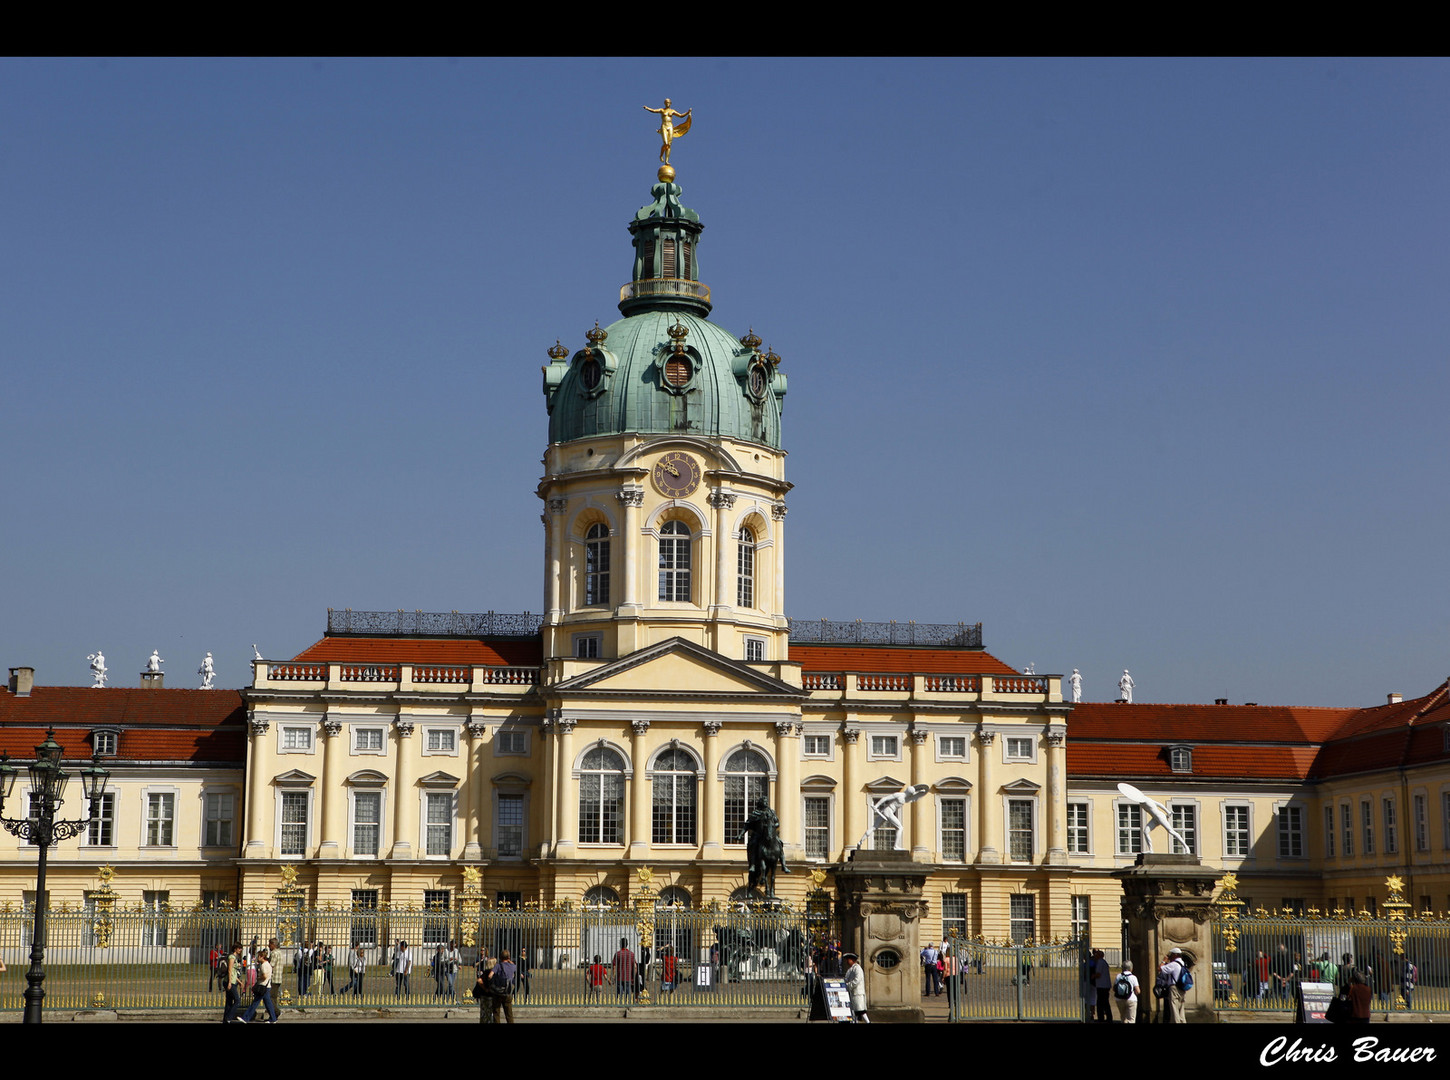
column 154, row 664
column 1125, row 687
column 98, row 669
column 207, row 673
column 1076, row 683
column 1155, row 813
column 887, row 808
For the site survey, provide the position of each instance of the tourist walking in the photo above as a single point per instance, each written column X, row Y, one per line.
column 1125, row 994
column 233, row 981
column 401, row 967
column 357, row 966
column 262, row 992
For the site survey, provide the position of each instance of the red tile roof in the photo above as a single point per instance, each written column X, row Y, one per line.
column 1126, row 760
column 1205, row 723
column 871, row 659
column 155, row 725
column 523, row 652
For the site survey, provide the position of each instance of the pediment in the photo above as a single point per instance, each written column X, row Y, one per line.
column 819, row 782
column 439, row 779
column 953, row 784
column 677, row 667
column 885, row 785
column 368, row 778
column 294, row 777
column 1022, row 787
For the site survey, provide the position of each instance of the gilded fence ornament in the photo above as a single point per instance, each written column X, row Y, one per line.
column 99, row 1001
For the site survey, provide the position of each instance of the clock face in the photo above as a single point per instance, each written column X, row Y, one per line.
column 676, row 474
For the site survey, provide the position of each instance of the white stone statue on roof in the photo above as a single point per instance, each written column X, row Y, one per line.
column 256, row 653
column 1125, row 687
column 1076, row 683
column 207, row 673
column 154, row 664
column 98, row 669
column 1154, row 813
column 888, row 809
column 1031, row 668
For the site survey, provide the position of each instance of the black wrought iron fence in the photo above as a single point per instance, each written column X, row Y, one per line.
column 1022, row 981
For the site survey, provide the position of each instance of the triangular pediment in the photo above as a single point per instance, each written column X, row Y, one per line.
column 885, row 785
column 438, row 779
column 677, row 667
column 294, row 777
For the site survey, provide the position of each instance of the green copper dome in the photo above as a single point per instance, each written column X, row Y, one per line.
column 665, row 368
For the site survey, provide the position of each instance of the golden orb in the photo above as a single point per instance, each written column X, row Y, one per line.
column 666, row 174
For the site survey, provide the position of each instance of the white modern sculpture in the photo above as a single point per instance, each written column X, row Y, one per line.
column 887, row 808
column 1155, row 813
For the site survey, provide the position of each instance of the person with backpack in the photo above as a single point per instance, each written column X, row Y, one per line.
column 1172, row 987
column 501, row 987
column 233, row 980
column 1125, row 994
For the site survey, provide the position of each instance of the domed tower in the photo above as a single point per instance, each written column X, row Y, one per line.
column 664, row 477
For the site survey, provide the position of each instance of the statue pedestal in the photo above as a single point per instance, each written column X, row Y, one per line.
column 880, row 908
column 1167, row 904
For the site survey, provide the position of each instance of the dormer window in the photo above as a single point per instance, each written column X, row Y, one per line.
column 103, row 743
column 1180, row 759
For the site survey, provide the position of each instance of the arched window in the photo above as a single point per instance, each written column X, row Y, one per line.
column 674, row 799
column 596, row 565
column 601, row 896
column 675, row 561
column 745, row 567
column 674, row 928
column 601, row 797
column 747, row 781
column 673, row 896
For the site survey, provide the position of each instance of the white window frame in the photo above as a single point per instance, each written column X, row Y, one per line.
column 830, row 736
column 761, row 645
column 380, row 791
column 146, row 793
column 1281, row 817
column 1421, row 803
column 1009, row 758
column 1346, row 826
column 1248, row 808
column 293, row 789
column 512, row 732
column 1366, row 822
column 1012, row 919
column 105, row 741
column 284, row 729
column 1187, row 804
column 424, row 797
column 592, row 645
column 115, row 797
column 966, row 800
column 964, row 757
column 1390, row 822
column 830, row 798
column 1007, row 800
column 1331, row 850
column 1087, row 829
column 1119, row 805
column 370, row 729
column 440, row 729
column 1177, row 753
column 520, row 792
column 207, row 794
column 872, row 754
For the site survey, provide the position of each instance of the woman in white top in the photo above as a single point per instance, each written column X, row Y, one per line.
column 1127, row 1006
column 402, row 967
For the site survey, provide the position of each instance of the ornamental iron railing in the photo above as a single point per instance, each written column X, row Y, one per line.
column 112, row 957
column 831, row 632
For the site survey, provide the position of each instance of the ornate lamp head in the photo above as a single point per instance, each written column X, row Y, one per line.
column 45, row 773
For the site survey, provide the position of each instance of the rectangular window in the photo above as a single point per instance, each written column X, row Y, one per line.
column 884, row 746
column 745, row 571
column 213, row 899
column 818, row 827
column 102, row 829
column 367, row 817
column 817, row 746
column 160, row 818
column 1422, row 824
column 1185, row 820
column 673, row 806
column 755, row 650
column 1236, row 831
column 435, row 926
column 1366, row 819
column 954, row 915
column 294, row 823
column 586, row 646
column 741, row 793
column 596, row 566
column 364, row 917
column 1019, row 749
column 33, row 814
column 1077, row 828
column 511, row 742
column 953, row 747
column 1292, row 903
column 442, row 740
column 1346, row 832
column 1081, row 918
column 1329, row 832
column 510, row 826
column 368, row 739
column 104, row 743
column 1024, row 920
column 1291, row 832
column 296, row 738
column 153, row 927
column 1019, row 829
column 1130, row 829
column 220, row 812
column 954, row 830
column 1392, row 838
column 883, row 833
column 675, row 562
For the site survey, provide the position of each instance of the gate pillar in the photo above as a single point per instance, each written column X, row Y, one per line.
column 879, row 908
column 1168, row 904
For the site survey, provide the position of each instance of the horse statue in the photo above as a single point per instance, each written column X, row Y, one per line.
column 763, row 847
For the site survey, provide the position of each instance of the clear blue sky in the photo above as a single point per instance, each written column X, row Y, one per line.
column 1141, row 363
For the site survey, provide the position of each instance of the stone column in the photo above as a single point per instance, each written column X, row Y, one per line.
column 919, row 843
column 638, row 796
column 880, row 908
column 331, row 792
column 1167, row 904
column 474, row 792
column 259, row 773
column 405, row 795
column 853, row 797
column 566, row 823
column 711, row 807
column 1056, row 797
column 989, row 805
column 631, row 499
column 788, row 788
column 722, row 502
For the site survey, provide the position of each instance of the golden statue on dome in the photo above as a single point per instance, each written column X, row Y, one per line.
column 667, row 130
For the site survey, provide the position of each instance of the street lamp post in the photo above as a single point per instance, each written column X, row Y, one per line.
column 47, row 786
